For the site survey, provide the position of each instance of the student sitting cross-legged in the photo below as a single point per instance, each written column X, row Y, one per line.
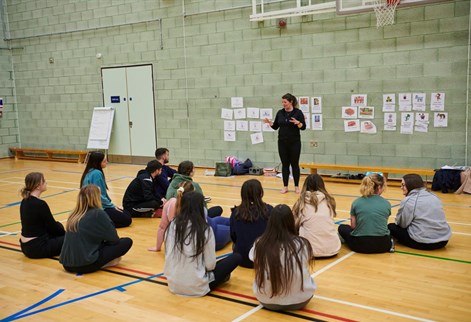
column 282, row 262
column 140, row 199
column 91, row 241
column 190, row 257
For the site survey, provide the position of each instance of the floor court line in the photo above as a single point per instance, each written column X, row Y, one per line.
column 407, row 316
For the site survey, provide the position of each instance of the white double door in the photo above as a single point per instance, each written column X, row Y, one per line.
column 130, row 91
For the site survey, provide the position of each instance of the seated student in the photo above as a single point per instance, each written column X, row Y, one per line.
column 282, row 262
column 140, row 199
column 41, row 235
column 368, row 232
column 249, row 219
column 219, row 225
column 185, row 172
column 313, row 215
column 190, row 257
column 93, row 174
column 91, row 241
column 420, row 220
column 163, row 180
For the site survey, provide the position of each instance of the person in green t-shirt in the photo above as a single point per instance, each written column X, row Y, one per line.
column 368, row 232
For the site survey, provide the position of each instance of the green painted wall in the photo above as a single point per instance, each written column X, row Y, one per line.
column 215, row 53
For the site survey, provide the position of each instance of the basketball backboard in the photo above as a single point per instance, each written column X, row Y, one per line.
column 346, row 7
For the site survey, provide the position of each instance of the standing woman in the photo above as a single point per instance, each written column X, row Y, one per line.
column 368, row 232
column 41, row 235
column 93, row 174
column 290, row 120
column 282, row 262
column 249, row 219
column 91, row 241
column 314, row 214
column 190, row 257
column 420, row 220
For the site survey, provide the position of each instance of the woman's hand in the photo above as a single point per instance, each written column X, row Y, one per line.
column 267, row 121
column 296, row 122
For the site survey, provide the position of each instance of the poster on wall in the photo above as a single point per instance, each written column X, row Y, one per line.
column 421, row 122
column 367, row 127
column 389, row 102
column 256, row 138
column 237, row 102
column 317, row 122
column 367, row 112
column 437, row 102
column 349, row 112
column 266, row 113
column 229, row 136
column 351, row 125
column 390, row 121
column 407, row 123
column 440, row 119
column 253, row 112
column 316, row 104
column 418, row 102
column 359, row 100
column 405, row 102
column 304, row 104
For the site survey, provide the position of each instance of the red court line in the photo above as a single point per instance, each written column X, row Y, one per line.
column 253, row 298
column 11, row 244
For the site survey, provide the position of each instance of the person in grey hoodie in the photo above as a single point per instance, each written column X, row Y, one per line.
column 420, row 220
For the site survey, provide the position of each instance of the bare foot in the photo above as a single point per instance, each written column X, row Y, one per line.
column 153, row 249
column 284, row 190
column 296, row 189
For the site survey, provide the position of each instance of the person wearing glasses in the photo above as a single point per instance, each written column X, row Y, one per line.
column 420, row 220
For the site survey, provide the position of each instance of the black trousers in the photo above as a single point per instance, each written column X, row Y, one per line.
column 108, row 252
column 365, row 244
column 402, row 236
column 224, row 267
column 119, row 218
column 290, row 151
column 44, row 246
column 151, row 204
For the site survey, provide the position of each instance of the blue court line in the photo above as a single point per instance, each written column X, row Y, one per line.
column 120, row 288
column 48, row 196
column 12, row 317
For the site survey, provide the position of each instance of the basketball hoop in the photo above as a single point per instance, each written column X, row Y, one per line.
column 384, row 11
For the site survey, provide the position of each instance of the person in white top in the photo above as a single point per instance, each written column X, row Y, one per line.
column 282, row 262
column 190, row 257
column 314, row 214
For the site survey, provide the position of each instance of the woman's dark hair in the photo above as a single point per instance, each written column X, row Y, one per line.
column 290, row 98
column 252, row 206
column 95, row 159
column 270, row 262
column 185, row 168
column 191, row 211
column 413, row 181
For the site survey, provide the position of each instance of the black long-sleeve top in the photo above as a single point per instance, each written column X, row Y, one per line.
column 37, row 219
column 288, row 131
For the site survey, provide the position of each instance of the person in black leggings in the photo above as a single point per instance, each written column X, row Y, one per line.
column 290, row 120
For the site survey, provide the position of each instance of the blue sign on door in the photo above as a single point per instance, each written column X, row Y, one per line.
column 114, row 99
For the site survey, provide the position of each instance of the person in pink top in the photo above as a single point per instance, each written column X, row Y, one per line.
column 314, row 214
column 170, row 209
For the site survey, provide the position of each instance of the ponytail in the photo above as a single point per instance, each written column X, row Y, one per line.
column 370, row 184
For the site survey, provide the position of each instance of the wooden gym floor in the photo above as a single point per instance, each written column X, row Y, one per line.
column 408, row 285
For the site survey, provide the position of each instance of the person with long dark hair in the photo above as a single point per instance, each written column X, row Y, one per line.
column 290, row 121
column 420, row 220
column 282, row 262
column 190, row 257
column 41, row 235
column 368, row 231
column 249, row 219
column 91, row 241
column 93, row 174
column 314, row 214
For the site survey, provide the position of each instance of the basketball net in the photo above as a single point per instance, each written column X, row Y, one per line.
column 384, row 11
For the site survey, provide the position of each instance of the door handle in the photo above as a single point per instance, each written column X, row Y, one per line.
column 130, row 124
